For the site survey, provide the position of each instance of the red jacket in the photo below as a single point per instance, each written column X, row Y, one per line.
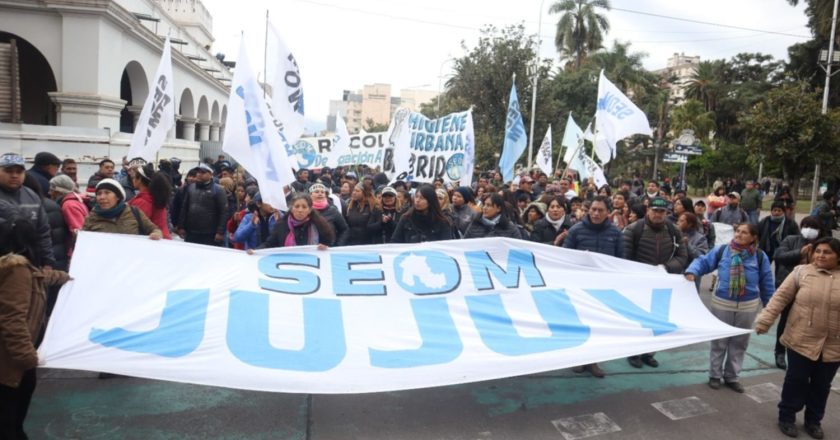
column 158, row 216
column 74, row 210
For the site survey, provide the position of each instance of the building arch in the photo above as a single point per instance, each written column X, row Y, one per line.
column 214, row 112
column 186, row 111
column 134, row 89
column 35, row 80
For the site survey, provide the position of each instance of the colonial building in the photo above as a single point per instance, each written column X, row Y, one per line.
column 74, row 75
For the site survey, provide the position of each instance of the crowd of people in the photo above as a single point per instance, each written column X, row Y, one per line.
column 217, row 204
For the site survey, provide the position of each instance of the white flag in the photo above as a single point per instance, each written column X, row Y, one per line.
column 283, row 74
column 251, row 137
column 591, row 170
column 399, row 141
column 571, row 139
column 340, row 142
column 616, row 118
column 544, row 153
column 158, row 114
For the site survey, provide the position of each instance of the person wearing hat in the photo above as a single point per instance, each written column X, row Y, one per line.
column 464, row 208
column 73, row 207
column 204, row 212
column 391, row 212
column 45, row 168
column 731, row 214
column 112, row 214
column 654, row 240
column 29, row 202
column 22, row 302
column 331, row 213
column 526, row 187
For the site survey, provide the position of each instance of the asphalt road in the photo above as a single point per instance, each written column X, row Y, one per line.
column 670, row 402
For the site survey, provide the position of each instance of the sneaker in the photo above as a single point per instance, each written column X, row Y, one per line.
column 596, row 371
column 780, row 361
column 579, row 369
column 815, row 431
column 714, row 383
column 789, row 429
column 735, row 386
column 635, row 361
column 650, row 361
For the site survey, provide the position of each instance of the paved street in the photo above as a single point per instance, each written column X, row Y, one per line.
column 670, row 402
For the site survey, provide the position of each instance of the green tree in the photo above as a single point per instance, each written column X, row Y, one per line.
column 581, row 28
column 691, row 115
column 372, row 127
column 706, row 83
column 791, row 133
column 482, row 79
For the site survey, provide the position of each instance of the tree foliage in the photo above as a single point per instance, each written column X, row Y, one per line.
column 581, row 28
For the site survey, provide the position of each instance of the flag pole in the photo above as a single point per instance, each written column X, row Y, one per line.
column 265, row 54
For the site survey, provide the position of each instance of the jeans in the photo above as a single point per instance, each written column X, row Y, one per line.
column 807, row 385
column 752, row 216
column 14, row 404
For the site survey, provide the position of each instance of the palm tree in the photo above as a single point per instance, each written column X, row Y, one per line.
column 581, row 28
column 705, row 84
column 624, row 68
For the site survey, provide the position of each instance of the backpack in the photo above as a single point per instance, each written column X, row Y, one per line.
column 141, row 229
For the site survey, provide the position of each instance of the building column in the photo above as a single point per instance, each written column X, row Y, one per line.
column 203, row 130
column 135, row 111
column 188, row 125
column 214, row 131
column 88, row 110
column 221, row 133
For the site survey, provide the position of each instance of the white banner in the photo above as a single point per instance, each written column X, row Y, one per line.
column 365, row 149
column 421, row 149
column 251, row 137
column 283, row 73
column 361, row 319
column 616, row 117
column 543, row 159
column 158, row 114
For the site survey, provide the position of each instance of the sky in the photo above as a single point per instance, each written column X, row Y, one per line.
column 343, row 45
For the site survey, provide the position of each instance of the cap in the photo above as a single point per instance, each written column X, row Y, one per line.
column 658, row 203
column 62, row 184
column 388, row 191
column 44, row 158
column 734, row 194
column 224, row 165
column 351, row 175
column 113, row 186
column 205, row 168
column 137, row 162
column 9, row 160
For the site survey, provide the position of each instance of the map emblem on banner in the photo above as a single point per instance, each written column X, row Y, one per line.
column 306, row 155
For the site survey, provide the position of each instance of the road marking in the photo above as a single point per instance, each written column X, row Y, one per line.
column 585, row 426
column 764, row 392
column 685, row 408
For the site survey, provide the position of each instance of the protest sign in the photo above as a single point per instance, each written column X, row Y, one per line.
column 365, row 149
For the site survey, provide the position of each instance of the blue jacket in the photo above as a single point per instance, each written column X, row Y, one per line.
column 603, row 238
column 759, row 285
column 249, row 234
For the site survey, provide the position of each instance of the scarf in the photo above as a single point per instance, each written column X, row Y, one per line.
column 320, row 205
column 491, row 222
column 737, row 279
column 311, row 232
column 556, row 223
column 111, row 213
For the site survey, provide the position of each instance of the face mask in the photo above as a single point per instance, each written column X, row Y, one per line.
column 777, row 217
column 809, row 233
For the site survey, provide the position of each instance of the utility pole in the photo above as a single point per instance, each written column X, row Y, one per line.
column 535, row 75
column 828, row 62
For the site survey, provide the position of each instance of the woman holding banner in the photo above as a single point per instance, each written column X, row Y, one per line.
column 424, row 221
column 22, row 303
column 494, row 221
column 745, row 282
column 320, row 202
column 303, row 226
column 812, row 336
column 112, row 214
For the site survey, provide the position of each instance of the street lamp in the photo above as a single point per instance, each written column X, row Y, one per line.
column 829, row 57
column 534, row 72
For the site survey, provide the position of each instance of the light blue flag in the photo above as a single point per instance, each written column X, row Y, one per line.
column 515, row 138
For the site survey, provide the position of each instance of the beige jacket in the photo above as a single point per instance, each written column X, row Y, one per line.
column 813, row 325
column 22, row 300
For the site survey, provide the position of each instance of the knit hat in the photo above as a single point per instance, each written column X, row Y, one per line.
column 466, row 193
column 44, row 158
column 113, row 186
column 388, row 190
column 62, row 184
column 318, row 186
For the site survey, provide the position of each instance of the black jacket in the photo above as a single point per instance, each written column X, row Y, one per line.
column 43, row 180
column 505, row 228
column 204, row 209
column 389, row 227
column 58, row 233
column 463, row 216
column 769, row 240
column 787, row 256
column 545, row 233
column 32, row 207
column 364, row 226
column 333, row 216
column 415, row 228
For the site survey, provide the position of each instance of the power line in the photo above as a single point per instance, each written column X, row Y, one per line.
column 689, row 20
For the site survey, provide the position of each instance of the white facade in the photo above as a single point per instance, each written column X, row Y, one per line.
column 682, row 67
column 102, row 54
